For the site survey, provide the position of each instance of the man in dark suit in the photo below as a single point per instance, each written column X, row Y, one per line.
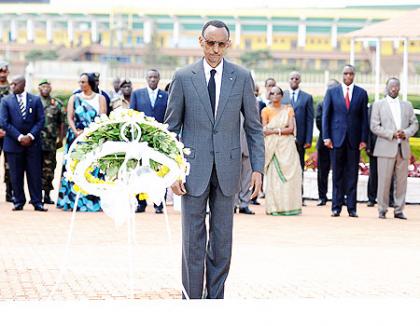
column 22, row 117
column 206, row 100
column 303, row 105
column 324, row 153
column 152, row 101
column 345, row 129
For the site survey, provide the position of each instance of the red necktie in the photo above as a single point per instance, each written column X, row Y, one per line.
column 347, row 99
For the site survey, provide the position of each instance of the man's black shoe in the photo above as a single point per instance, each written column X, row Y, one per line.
column 40, row 208
column 335, row 213
column 370, row 204
column 353, row 214
column 9, row 198
column 235, row 209
column 17, row 208
column 246, row 210
column 140, row 209
column 159, row 210
column 322, row 202
column 382, row 215
column 47, row 199
column 400, row 216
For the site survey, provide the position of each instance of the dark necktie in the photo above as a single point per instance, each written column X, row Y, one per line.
column 22, row 106
column 212, row 90
column 293, row 99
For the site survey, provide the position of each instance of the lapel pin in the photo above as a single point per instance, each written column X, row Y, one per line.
column 160, row 96
column 230, row 78
column 30, row 110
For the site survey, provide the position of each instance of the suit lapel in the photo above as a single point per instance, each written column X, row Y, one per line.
column 403, row 115
column 353, row 96
column 28, row 104
column 147, row 99
column 199, row 81
column 342, row 99
column 228, row 79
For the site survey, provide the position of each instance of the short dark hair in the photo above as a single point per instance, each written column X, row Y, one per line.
column 154, row 70
column 275, row 86
column 350, row 66
column 215, row 23
column 393, row 78
column 268, row 79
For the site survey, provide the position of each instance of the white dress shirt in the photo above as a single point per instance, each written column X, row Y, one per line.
column 152, row 95
column 350, row 87
column 295, row 97
column 21, row 97
column 217, row 79
column 394, row 104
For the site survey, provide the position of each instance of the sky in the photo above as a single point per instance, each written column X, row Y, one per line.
column 232, row 3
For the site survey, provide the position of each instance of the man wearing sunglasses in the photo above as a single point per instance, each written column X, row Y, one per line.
column 206, row 100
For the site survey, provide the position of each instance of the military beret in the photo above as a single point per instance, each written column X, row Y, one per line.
column 124, row 82
column 44, row 81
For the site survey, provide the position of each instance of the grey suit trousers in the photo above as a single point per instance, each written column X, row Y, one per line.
column 243, row 197
column 387, row 167
column 202, row 259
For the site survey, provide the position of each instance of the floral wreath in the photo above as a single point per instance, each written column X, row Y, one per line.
column 125, row 154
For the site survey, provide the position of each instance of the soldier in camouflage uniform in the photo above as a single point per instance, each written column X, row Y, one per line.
column 5, row 90
column 122, row 100
column 51, row 135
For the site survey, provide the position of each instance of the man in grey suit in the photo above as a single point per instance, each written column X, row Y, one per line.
column 205, row 102
column 393, row 121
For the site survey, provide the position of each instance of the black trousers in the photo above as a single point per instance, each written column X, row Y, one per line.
column 324, row 166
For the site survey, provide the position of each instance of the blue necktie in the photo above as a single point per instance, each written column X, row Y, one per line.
column 22, row 106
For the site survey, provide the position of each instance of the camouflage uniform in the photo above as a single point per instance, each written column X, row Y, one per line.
column 5, row 90
column 119, row 102
column 53, row 109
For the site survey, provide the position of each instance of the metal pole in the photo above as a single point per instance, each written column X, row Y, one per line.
column 377, row 68
column 405, row 70
column 352, row 52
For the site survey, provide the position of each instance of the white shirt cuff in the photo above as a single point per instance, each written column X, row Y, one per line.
column 32, row 136
column 20, row 137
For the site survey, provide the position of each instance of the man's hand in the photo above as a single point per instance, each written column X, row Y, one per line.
column 2, row 133
column 26, row 141
column 328, row 143
column 401, row 134
column 59, row 143
column 256, row 183
column 362, row 145
column 178, row 188
column 306, row 146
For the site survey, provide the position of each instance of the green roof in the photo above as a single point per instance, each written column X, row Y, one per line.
column 285, row 19
column 346, row 29
column 192, row 27
column 221, row 17
column 159, row 16
column 285, row 28
column 318, row 29
column 181, row 17
column 319, row 19
column 165, row 26
column 137, row 25
column 253, row 18
column 352, row 20
column 253, row 28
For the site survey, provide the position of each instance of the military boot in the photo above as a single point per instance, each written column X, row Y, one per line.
column 47, row 198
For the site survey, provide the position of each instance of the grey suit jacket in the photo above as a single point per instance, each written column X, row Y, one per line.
column 215, row 141
column 382, row 124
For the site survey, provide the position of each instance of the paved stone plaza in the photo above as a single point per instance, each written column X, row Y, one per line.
column 309, row 256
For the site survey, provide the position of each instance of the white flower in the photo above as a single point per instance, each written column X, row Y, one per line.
column 187, row 151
